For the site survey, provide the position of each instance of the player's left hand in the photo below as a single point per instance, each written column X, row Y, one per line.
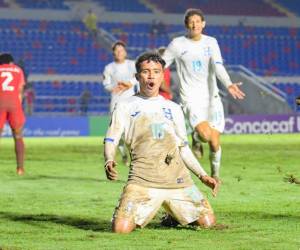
column 217, row 187
column 210, row 182
column 235, row 91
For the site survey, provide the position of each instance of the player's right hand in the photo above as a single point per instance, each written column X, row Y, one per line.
column 212, row 183
column 235, row 91
column 110, row 171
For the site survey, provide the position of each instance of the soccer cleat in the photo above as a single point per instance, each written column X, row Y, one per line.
column 20, row 171
column 168, row 221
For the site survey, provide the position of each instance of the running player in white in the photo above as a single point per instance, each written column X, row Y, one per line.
column 155, row 132
column 198, row 62
column 119, row 79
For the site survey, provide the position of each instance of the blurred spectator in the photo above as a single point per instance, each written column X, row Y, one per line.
column 157, row 28
column 84, row 101
column 90, row 21
column 242, row 21
column 29, row 96
column 165, row 88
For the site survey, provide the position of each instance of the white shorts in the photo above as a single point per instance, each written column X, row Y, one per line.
column 140, row 204
column 213, row 114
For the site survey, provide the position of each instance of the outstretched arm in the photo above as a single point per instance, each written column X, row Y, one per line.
column 222, row 75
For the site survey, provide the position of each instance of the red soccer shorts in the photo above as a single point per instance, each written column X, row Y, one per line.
column 15, row 118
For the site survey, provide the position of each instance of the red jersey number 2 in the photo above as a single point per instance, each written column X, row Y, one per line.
column 8, row 78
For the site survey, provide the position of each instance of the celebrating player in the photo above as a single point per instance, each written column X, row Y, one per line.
column 120, row 81
column 198, row 61
column 11, row 87
column 155, row 132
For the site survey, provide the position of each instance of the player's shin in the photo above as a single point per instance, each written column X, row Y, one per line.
column 19, row 149
column 215, row 162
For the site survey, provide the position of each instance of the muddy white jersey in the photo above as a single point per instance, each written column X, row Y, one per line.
column 197, row 63
column 154, row 129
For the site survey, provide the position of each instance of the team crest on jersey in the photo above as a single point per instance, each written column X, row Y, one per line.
column 168, row 113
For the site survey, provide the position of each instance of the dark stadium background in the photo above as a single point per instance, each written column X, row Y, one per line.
column 259, row 41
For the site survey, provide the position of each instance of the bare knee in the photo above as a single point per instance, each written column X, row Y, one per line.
column 17, row 133
column 206, row 221
column 123, row 226
column 204, row 131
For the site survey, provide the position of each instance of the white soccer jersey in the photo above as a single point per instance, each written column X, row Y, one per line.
column 154, row 129
column 198, row 63
column 115, row 72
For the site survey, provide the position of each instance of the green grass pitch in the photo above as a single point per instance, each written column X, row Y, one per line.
column 65, row 202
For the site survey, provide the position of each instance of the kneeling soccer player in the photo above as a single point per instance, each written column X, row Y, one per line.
column 155, row 132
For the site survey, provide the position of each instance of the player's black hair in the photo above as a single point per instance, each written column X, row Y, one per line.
column 6, row 58
column 118, row 43
column 149, row 56
column 192, row 12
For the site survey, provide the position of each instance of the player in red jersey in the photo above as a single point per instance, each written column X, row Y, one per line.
column 165, row 88
column 11, row 87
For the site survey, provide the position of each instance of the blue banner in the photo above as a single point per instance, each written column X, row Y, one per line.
column 53, row 126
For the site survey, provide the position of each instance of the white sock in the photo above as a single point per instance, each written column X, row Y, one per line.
column 215, row 162
column 122, row 150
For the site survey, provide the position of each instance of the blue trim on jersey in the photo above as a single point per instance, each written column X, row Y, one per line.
column 218, row 63
column 108, row 140
column 135, row 113
column 185, row 143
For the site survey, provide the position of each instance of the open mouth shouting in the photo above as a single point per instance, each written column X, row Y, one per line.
column 150, row 85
